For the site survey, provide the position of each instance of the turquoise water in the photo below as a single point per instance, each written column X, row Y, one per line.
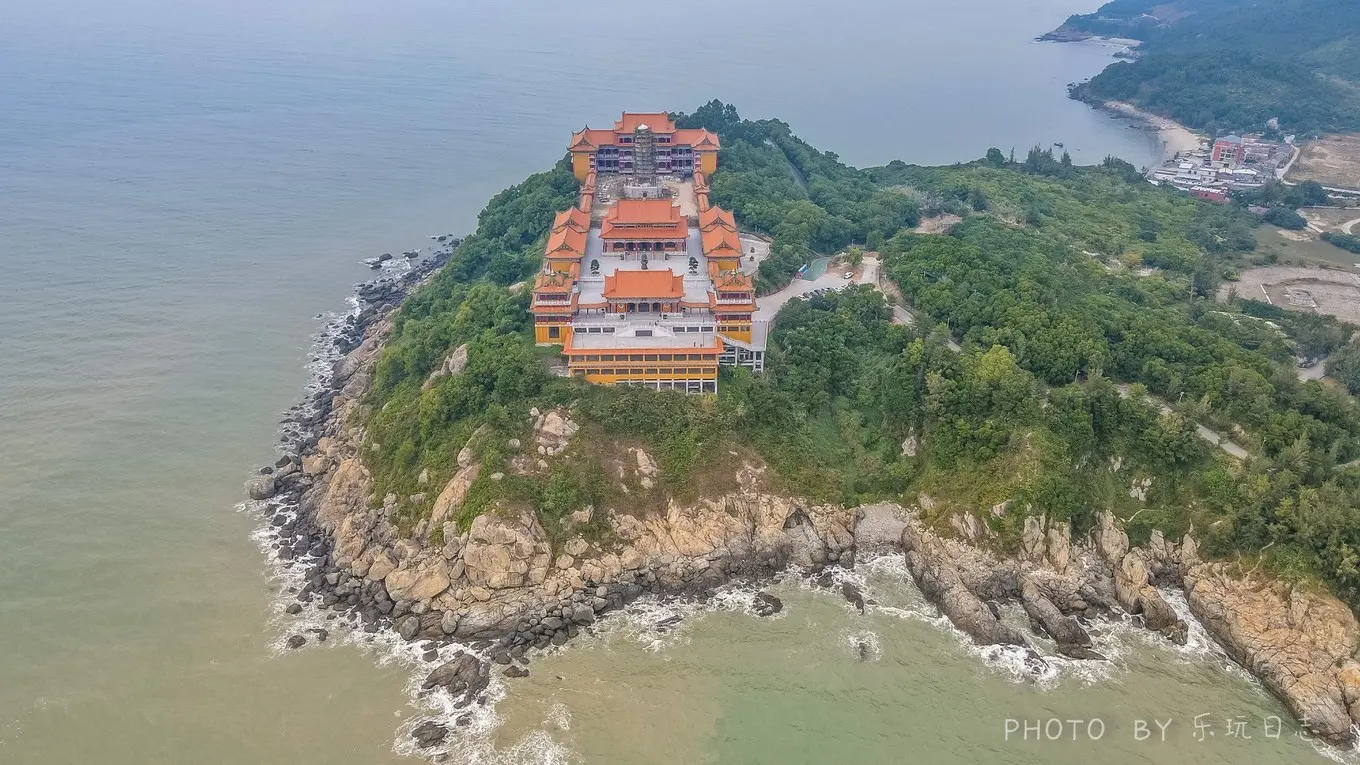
column 186, row 186
column 816, row 268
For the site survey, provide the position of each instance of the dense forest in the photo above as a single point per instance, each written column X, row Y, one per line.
column 1222, row 65
column 1092, row 347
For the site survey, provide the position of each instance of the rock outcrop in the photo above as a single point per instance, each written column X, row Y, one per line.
column 1300, row 644
column 505, row 583
column 939, row 569
column 454, row 364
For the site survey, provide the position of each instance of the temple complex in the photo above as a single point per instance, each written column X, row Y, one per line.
column 643, row 280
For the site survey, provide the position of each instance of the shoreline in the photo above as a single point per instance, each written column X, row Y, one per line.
column 1174, row 137
column 467, row 639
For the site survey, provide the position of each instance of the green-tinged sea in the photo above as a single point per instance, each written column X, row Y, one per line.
column 186, row 187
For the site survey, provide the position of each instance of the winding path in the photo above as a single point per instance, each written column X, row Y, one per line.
column 1213, row 437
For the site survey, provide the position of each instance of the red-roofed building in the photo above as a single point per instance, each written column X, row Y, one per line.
column 643, row 225
column 574, row 218
column 677, row 150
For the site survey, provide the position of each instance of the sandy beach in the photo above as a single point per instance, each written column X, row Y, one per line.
column 1174, row 136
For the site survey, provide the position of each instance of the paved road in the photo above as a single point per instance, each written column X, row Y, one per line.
column 769, row 305
column 1217, row 439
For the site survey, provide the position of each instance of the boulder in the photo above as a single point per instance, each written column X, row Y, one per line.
column 505, row 551
column 853, row 596
column 429, row 733
column 766, row 604
column 553, row 430
column 453, row 364
column 447, row 504
column 408, row 626
column 419, row 584
column 261, row 488
column 315, row 464
column 464, row 674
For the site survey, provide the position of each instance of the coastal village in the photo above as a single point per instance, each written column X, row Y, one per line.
column 1228, row 163
column 644, row 280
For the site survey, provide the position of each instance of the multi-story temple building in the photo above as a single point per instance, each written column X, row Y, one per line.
column 651, row 290
column 642, row 144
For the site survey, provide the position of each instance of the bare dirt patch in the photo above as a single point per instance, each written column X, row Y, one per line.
column 1313, row 290
column 1331, row 161
column 939, row 224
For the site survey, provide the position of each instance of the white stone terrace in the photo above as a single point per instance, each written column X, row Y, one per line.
column 591, row 285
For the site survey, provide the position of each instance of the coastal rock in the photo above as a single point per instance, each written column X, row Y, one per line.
column 1064, row 630
column 464, row 674
column 766, row 604
column 1132, row 585
column 853, row 596
column 346, row 493
column 879, row 529
column 261, row 488
column 931, row 562
column 429, row 733
column 315, row 464
column 505, row 551
column 1111, row 541
column 419, row 583
column 354, row 360
column 1298, row 643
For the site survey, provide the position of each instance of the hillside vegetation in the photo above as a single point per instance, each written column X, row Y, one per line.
column 1234, row 64
column 1047, row 409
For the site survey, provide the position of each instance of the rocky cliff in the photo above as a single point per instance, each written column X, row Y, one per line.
column 506, row 587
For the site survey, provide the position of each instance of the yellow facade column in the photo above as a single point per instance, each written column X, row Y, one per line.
column 580, row 165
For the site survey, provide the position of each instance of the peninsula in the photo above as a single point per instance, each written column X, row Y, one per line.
column 700, row 350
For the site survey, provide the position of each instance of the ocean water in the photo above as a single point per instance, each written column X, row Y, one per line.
column 187, row 186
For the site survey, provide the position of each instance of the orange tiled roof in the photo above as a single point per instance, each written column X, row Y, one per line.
column 643, row 219
column 728, row 280
column 699, row 138
column 659, row 122
column 720, row 242
column 627, row 285
column 644, row 211
column 716, row 217
column 573, row 218
column 566, row 243
column 590, row 139
column 554, row 282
